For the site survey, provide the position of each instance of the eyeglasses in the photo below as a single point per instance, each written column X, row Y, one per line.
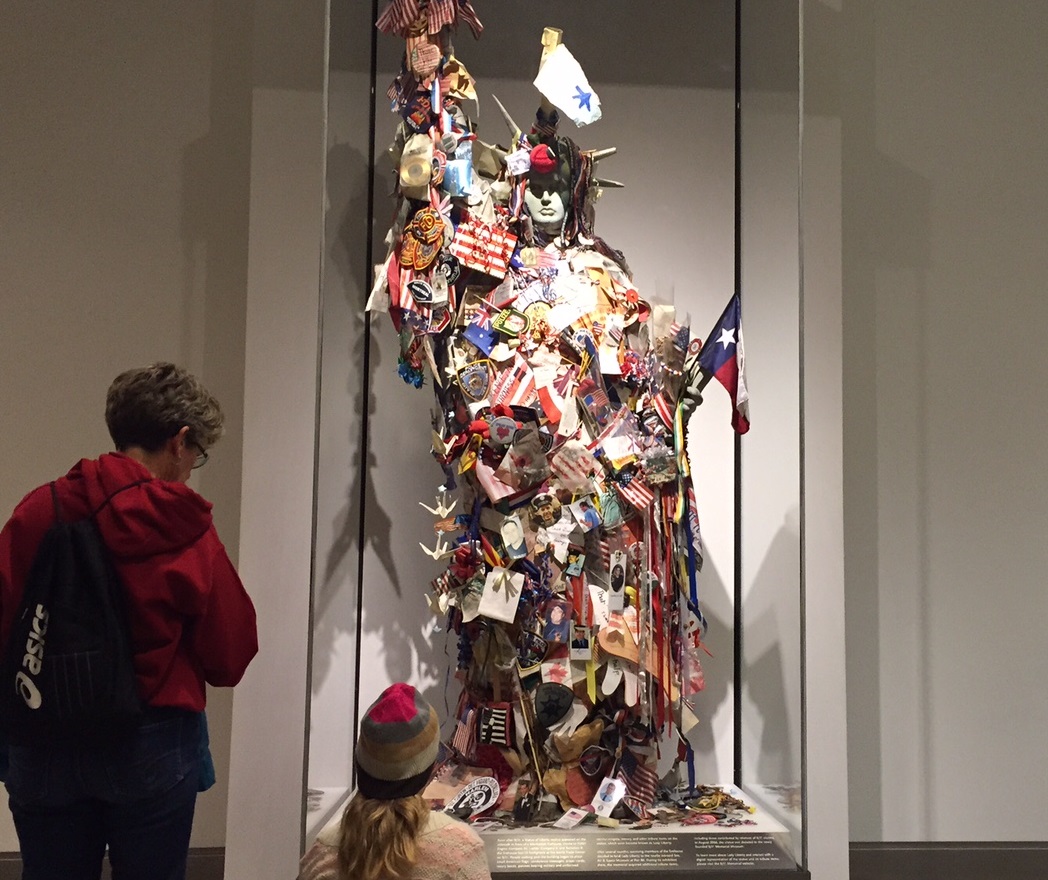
column 201, row 458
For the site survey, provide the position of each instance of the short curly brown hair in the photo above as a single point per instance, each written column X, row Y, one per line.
column 147, row 406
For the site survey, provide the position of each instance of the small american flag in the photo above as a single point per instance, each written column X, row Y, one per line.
column 637, row 806
column 594, row 395
column 605, row 554
column 397, row 16
column 662, row 406
column 636, row 492
column 494, row 725
column 681, row 335
column 464, row 741
column 482, row 246
column 642, row 782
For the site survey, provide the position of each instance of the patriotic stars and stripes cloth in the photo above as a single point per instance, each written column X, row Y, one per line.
column 722, row 356
column 514, row 386
column 636, row 492
column 642, row 782
column 399, row 16
column 483, row 246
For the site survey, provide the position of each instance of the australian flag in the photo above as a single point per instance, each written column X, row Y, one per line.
column 722, row 356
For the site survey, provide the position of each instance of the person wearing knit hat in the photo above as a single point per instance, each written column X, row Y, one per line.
column 397, row 746
column 387, row 830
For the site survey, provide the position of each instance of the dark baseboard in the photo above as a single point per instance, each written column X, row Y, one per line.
column 205, row 863
column 869, row 861
column 949, row 861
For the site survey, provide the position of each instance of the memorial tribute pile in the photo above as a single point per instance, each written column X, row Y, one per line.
column 572, row 547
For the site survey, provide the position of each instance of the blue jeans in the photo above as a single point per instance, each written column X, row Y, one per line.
column 70, row 802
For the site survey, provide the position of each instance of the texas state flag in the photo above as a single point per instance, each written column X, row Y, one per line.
column 722, row 356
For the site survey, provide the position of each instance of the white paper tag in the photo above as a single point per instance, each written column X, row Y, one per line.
column 501, row 594
column 599, row 603
column 518, row 163
column 608, row 795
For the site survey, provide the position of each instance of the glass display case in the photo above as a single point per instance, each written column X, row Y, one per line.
column 701, row 101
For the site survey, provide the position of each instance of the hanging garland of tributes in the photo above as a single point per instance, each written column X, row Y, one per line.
column 562, row 398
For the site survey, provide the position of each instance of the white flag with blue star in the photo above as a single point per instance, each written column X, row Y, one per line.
column 563, row 83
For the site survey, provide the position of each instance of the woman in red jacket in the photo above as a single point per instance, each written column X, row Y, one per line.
column 191, row 624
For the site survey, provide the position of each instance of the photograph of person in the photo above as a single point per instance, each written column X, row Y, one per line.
column 586, row 514
column 616, row 591
column 513, row 538
column 580, row 643
column 608, row 795
column 575, row 560
column 558, row 623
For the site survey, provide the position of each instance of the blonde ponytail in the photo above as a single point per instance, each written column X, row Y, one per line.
column 377, row 839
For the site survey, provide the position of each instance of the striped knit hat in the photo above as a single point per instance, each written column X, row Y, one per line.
column 397, row 746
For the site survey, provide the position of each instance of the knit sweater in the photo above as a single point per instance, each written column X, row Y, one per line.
column 447, row 850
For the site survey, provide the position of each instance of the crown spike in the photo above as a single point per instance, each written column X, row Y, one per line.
column 514, row 129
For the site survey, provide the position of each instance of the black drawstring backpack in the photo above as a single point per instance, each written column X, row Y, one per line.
column 67, row 673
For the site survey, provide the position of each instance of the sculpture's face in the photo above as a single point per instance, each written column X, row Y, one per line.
column 546, row 205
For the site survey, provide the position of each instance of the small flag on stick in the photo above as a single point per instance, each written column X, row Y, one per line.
column 722, row 356
column 563, row 83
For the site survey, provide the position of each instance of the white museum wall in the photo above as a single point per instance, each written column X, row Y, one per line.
column 770, row 452
column 123, row 160
column 826, row 742
column 268, row 737
column 945, row 205
column 282, row 319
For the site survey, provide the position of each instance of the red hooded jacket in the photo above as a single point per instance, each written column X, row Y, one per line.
column 191, row 619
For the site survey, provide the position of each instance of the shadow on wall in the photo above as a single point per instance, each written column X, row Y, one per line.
column 409, row 653
column 398, row 628
column 716, row 604
column 345, row 234
column 347, row 180
column 771, row 662
column 214, row 219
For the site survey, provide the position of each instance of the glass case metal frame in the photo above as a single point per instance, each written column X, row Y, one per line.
column 748, row 57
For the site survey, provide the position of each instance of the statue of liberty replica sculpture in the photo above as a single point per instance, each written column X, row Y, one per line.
column 566, row 521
